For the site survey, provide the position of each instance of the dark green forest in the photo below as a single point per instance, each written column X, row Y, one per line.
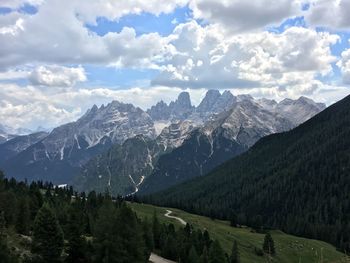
column 297, row 181
column 43, row 223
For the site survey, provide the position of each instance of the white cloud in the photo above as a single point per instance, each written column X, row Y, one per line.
column 57, row 35
column 207, row 57
column 89, row 10
column 329, row 13
column 14, row 74
column 344, row 65
column 57, row 76
column 238, row 16
column 19, row 3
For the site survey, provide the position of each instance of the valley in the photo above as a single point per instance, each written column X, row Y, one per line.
column 290, row 249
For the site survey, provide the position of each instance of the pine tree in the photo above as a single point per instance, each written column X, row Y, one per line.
column 233, row 220
column 2, row 224
column 5, row 254
column 216, row 254
column 193, row 256
column 130, row 232
column 148, row 237
column 206, row 238
column 169, row 250
column 76, row 243
column 47, row 236
column 106, row 243
column 204, row 258
column 156, row 230
column 235, row 254
column 23, row 217
column 269, row 245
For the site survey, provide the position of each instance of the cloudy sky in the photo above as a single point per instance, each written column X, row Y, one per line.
column 59, row 57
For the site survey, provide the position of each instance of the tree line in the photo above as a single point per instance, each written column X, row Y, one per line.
column 60, row 225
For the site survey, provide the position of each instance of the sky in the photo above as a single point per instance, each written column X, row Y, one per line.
column 59, row 57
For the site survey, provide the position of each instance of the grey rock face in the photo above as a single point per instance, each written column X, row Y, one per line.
column 173, row 136
column 58, row 156
column 179, row 109
column 18, row 144
column 207, row 104
column 300, row 110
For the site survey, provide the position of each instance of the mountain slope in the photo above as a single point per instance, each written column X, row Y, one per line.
column 60, row 155
column 297, row 181
column 232, row 133
column 19, row 144
column 189, row 149
column 120, row 170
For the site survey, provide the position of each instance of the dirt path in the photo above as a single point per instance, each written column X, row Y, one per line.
column 167, row 214
column 157, row 259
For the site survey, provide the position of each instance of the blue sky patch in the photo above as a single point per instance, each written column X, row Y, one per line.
column 118, row 78
column 143, row 23
column 298, row 21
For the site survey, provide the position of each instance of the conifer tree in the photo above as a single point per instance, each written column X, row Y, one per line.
column 47, row 236
column 23, row 217
column 76, row 243
column 204, row 258
column 233, row 220
column 2, row 224
column 269, row 245
column 5, row 254
column 106, row 244
column 156, row 230
column 207, row 240
column 235, row 254
column 216, row 254
column 169, row 249
column 193, row 256
column 148, row 237
column 130, row 233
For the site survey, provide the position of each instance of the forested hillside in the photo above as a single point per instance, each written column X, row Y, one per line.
column 40, row 223
column 297, row 181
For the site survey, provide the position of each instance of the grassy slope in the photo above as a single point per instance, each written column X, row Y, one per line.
column 288, row 248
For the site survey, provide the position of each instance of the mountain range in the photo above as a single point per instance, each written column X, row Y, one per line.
column 192, row 147
column 179, row 141
column 297, row 181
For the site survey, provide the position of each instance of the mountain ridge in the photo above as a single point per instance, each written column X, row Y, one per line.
column 294, row 181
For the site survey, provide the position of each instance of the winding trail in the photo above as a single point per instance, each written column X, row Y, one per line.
column 157, row 259
column 167, row 214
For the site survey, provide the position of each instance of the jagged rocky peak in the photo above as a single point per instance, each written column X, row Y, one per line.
column 160, row 111
column 183, row 103
column 246, row 122
column 179, row 109
column 214, row 103
column 182, row 107
column 184, row 100
column 206, row 105
column 224, row 103
column 115, row 122
column 300, row 110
